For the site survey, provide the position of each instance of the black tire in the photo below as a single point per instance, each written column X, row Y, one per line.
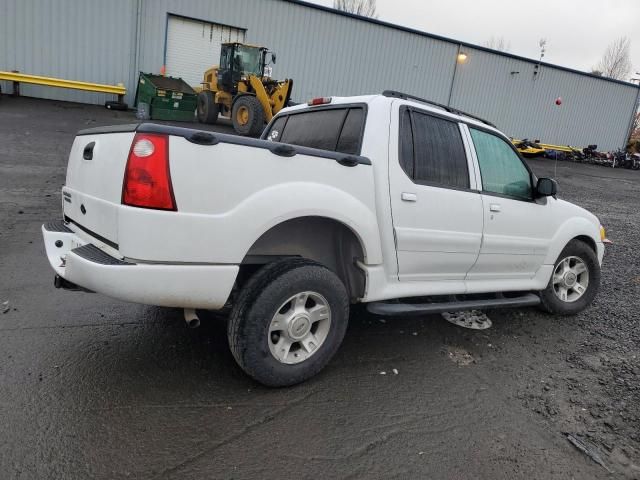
column 260, row 299
column 207, row 110
column 551, row 303
column 255, row 123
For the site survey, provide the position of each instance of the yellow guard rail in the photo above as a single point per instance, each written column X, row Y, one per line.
column 17, row 77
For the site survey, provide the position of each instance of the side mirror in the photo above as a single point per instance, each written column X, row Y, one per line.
column 546, row 187
column 273, row 58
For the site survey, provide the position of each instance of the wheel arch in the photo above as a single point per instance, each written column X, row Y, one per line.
column 325, row 240
column 589, row 241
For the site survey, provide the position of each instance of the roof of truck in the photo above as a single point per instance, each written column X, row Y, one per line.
column 391, row 96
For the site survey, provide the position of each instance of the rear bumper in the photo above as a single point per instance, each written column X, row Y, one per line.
column 78, row 260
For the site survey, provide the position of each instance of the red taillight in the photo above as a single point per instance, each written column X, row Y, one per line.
column 147, row 179
column 319, row 101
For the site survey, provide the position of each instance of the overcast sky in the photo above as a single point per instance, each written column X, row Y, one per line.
column 577, row 31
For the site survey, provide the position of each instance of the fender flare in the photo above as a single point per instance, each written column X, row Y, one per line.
column 572, row 228
column 316, row 202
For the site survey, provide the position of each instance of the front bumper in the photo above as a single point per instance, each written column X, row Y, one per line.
column 78, row 259
column 600, row 252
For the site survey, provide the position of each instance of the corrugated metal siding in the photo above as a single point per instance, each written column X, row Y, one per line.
column 523, row 105
column 88, row 40
column 325, row 54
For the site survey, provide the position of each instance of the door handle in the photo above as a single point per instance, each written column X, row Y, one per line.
column 495, row 207
column 409, row 197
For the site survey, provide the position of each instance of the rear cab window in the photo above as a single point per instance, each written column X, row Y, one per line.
column 336, row 129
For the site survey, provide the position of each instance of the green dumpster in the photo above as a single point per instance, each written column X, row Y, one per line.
column 167, row 98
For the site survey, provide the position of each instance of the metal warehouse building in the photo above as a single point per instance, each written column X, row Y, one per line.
column 324, row 51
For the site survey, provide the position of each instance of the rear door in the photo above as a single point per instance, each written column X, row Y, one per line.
column 517, row 229
column 437, row 212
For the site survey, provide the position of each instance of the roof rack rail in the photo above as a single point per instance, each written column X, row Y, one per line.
column 406, row 96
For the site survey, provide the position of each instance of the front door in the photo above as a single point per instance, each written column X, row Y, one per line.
column 437, row 213
column 517, row 228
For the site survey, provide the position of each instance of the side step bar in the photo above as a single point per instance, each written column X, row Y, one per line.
column 388, row 309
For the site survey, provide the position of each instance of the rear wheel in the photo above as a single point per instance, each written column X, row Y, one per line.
column 208, row 110
column 288, row 322
column 247, row 116
column 575, row 280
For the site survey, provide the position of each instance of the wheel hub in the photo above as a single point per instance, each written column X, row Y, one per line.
column 243, row 115
column 299, row 327
column 570, row 279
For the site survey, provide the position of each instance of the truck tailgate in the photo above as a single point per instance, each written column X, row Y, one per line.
column 93, row 191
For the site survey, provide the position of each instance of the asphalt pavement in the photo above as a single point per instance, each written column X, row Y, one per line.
column 91, row 387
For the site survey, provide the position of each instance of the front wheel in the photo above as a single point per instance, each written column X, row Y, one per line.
column 575, row 280
column 288, row 322
column 247, row 116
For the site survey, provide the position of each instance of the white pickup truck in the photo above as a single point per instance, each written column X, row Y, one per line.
column 375, row 199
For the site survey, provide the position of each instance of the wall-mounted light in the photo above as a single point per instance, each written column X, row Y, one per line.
column 462, row 57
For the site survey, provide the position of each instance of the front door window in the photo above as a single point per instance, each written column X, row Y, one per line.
column 501, row 169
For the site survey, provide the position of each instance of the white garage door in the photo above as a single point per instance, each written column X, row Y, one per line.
column 193, row 46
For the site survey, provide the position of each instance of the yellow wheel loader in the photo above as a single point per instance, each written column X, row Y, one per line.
column 240, row 87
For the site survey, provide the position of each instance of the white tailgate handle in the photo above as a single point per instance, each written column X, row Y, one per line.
column 409, row 197
column 495, row 207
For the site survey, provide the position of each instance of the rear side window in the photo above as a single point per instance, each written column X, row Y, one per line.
column 406, row 144
column 335, row 129
column 276, row 129
column 432, row 151
column 349, row 140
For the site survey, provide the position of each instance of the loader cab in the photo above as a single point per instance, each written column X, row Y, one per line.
column 240, row 87
column 237, row 62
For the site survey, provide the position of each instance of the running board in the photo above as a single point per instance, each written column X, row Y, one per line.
column 387, row 309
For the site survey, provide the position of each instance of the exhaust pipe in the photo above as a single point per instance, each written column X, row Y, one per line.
column 64, row 284
column 191, row 317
